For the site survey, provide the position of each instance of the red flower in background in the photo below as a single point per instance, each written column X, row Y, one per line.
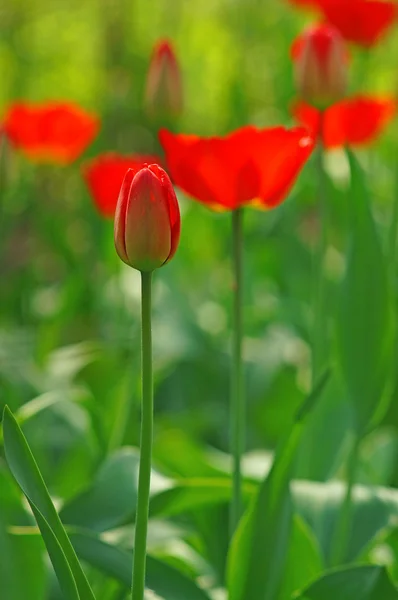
column 362, row 22
column 355, row 121
column 57, row 132
column 320, row 65
column 163, row 92
column 247, row 165
column 104, row 177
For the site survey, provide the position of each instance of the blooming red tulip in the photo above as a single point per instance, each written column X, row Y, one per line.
column 320, row 61
column 248, row 165
column 104, row 177
column 354, row 121
column 163, row 92
column 362, row 22
column 55, row 132
column 147, row 220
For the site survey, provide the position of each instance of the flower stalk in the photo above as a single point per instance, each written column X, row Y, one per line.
column 320, row 334
column 144, row 480
column 237, row 408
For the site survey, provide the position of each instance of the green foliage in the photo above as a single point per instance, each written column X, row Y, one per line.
column 366, row 582
column 23, row 466
column 69, row 329
column 366, row 324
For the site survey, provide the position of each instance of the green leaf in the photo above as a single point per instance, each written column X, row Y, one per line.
column 59, row 561
column 164, row 580
column 319, row 504
column 303, row 562
column 259, row 548
column 110, row 501
column 365, row 324
column 359, row 583
column 191, row 494
column 25, row 470
column 19, row 554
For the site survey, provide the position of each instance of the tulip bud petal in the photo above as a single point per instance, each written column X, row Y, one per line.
column 147, row 220
column 320, row 61
column 163, row 92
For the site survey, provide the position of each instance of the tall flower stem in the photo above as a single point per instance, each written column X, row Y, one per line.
column 342, row 530
column 237, row 408
column 393, row 233
column 141, row 523
column 320, row 320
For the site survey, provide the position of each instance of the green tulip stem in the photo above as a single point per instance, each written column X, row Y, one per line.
column 237, row 408
column 341, row 536
column 320, row 321
column 393, row 233
column 144, row 479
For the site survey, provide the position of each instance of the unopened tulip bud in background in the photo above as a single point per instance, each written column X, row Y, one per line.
column 321, row 64
column 163, row 92
column 147, row 220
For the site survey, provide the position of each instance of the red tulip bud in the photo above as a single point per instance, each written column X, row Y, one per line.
column 163, row 94
column 147, row 220
column 320, row 59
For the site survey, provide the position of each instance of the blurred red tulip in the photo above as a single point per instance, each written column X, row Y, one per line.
column 57, row 132
column 320, row 63
column 356, row 121
column 247, row 166
column 104, row 177
column 362, row 22
column 163, row 92
column 147, row 219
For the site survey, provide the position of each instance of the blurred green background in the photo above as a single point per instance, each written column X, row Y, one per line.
column 69, row 310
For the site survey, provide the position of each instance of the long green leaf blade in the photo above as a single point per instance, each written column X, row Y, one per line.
column 26, row 472
column 164, row 580
column 359, row 583
column 365, row 324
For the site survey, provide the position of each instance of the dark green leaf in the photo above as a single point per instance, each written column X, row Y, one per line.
column 356, row 583
column 164, row 580
column 110, row 500
column 304, row 561
column 259, row 549
column 25, row 470
column 365, row 324
column 19, row 553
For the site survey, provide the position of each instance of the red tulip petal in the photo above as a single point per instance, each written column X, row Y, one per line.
column 248, row 164
column 357, row 121
column 174, row 210
column 281, row 154
column 104, row 176
column 54, row 132
column 308, row 116
column 120, row 215
column 363, row 22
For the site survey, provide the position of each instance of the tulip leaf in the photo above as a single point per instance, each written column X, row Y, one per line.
column 259, row 550
column 110, row 500
column 26, row 472
column 304, row 562
column 365, row 323
column 165, row 580
column 19, row 553
column 362, row 583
